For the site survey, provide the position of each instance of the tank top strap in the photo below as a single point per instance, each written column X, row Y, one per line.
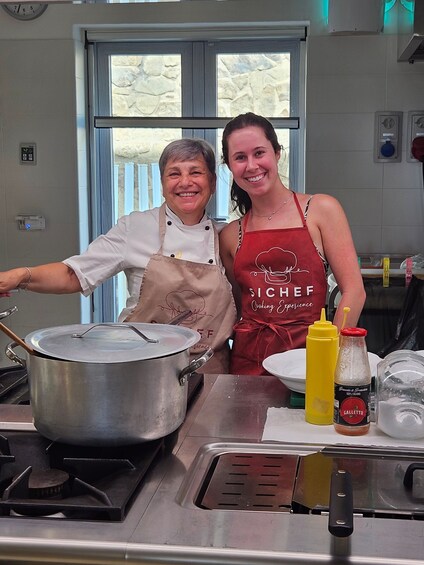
column 242, row 222
column 307, row 207
column 299, row 208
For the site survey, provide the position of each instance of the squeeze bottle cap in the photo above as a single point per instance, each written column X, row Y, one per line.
column 354, row 332
column 323, row 328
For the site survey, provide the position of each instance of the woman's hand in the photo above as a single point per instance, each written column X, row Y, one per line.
column 10, row 280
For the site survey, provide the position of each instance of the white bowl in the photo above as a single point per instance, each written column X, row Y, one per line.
column 290, row 367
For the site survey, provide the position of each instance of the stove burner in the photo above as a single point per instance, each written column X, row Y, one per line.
column 48, row 483
column 81, row 483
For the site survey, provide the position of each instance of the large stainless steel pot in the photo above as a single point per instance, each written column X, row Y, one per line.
column 108, row 403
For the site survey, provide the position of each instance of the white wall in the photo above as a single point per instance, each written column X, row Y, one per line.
column 349, row 78
column 38, row 104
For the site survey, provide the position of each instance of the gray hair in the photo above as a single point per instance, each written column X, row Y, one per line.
column 188, row 149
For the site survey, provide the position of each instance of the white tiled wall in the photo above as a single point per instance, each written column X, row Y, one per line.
column 349, row 79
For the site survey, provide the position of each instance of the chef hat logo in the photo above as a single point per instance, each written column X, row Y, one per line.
column 277, row 265
column 177, row 301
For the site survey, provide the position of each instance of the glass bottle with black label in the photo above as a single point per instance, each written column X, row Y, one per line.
column 352, row 384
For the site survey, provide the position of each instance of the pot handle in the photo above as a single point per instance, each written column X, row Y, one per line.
column 10, row 354
column 8, row 312
column 194, row 365
column 340, row 516
column 112, row 324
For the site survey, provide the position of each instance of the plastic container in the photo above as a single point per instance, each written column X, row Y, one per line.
column 399, row 401
column 322, row 345
column 352, row 384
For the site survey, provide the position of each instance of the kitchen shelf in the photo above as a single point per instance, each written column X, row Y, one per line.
column 392, row 272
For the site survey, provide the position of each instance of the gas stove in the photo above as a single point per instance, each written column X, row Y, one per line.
column 45, row 479
column 14, row 386
column 41, row 478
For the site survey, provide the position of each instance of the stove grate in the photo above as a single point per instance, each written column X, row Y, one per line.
column 14, row 385
column 102, row 485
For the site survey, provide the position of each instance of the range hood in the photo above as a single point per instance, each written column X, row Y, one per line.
column 411, row 33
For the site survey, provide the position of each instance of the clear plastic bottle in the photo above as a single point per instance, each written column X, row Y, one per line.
column 322, row 345
column 399, row 398
column 352, row 384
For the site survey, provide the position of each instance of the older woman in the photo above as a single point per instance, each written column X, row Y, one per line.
column 169, row 254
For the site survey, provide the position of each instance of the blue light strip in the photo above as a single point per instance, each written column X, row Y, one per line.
column 408, row 5
column 389, row 5
column 325, row 11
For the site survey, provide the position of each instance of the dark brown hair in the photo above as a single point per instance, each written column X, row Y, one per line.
column 239, row 197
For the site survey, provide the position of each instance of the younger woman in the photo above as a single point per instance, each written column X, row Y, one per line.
column 278, row 254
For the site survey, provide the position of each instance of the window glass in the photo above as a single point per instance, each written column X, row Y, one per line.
column 146, row 85
column 142, row 86
column 252, row 82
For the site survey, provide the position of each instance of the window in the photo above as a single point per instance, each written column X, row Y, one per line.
column 147, row 94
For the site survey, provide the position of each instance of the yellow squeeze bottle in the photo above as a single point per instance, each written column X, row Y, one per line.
column 322, row 347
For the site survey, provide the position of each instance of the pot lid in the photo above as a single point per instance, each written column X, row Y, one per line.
column 112, row 343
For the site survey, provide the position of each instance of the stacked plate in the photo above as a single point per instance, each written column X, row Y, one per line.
column 290, row 367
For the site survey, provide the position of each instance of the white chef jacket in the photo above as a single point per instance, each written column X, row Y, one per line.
column 129, row 245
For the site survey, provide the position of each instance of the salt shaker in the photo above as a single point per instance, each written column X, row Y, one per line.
column 352, row 384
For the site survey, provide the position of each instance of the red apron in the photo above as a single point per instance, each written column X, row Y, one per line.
column 284, row 286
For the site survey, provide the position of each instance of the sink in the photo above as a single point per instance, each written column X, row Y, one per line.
column 223, row 460
column 297, row 479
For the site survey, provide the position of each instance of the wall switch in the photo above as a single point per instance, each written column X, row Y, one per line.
column 30, row 222
column 27, row 154
column 415, row 129
column 388, row 137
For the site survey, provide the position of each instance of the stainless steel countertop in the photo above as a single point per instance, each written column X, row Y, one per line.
column 160, row 529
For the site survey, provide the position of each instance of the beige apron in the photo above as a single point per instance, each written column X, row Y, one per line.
column 171, row 285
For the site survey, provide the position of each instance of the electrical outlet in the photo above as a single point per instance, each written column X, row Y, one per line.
column 28, row 153
column 415, row 129
column 388, row 137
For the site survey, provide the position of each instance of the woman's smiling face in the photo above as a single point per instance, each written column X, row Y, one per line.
column 187, row 187
column 252, row 160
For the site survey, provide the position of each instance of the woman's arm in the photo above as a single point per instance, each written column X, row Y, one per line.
column 327, row 215
column 54, row 278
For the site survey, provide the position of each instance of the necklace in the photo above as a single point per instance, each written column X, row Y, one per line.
column 270, row 216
